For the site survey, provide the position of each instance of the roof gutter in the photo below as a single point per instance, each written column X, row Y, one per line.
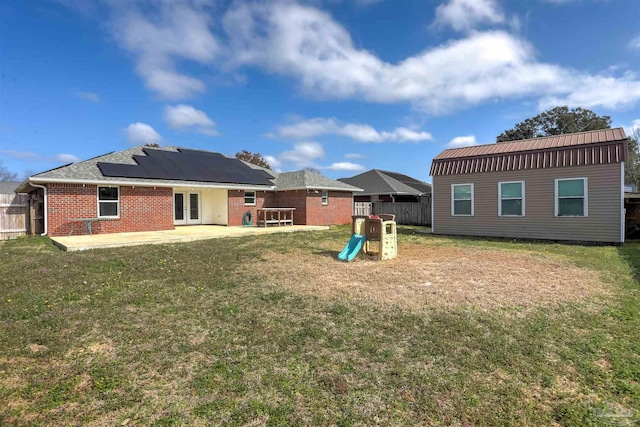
column 146, row 184
column 44, row 208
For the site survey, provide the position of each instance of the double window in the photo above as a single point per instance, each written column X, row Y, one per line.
column 108, row 202
column 249, row 198
column 462, row 199
column 511, row 198
column 571, row 197
column 325, row 197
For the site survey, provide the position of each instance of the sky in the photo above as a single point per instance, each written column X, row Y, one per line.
column 342, row 86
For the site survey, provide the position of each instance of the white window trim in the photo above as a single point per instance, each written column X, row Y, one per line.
column 255, row 197
column 98, row 201
column 453, row 200
column 585, row 198
column 324, row 199
column 510, row 198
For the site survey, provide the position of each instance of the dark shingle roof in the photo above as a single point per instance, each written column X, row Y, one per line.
column 124, row 166
column 378, row 181
column 89, row 170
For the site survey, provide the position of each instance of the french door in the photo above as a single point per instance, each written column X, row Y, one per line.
column 186, row 208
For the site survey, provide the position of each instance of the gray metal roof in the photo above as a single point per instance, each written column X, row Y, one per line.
column 306, row 179
column 377, row 181
column 8, row 187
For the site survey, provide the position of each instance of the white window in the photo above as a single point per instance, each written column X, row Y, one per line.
column 462, row 199
column 571, row 197
column 108, row 202
column 249, row 198
column 325, row 197
column 511, row 198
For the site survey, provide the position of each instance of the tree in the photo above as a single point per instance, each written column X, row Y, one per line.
column 5, row 174
column 253, row 158
column 632, row 167
column 556, row 121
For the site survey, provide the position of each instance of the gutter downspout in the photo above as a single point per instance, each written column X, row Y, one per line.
column 44, row 208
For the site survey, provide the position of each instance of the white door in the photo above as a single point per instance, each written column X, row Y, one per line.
column 193, row 214
column 187, row 208
column 179, row 208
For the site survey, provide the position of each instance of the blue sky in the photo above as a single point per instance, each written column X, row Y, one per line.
column 342, row 86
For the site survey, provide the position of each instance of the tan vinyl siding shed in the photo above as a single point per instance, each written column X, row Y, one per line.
column 597, row 156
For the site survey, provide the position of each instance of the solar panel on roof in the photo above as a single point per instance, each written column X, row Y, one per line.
column 187, row 165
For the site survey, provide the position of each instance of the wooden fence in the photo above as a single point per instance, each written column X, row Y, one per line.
column 362, row 208
column 14, row 210
column 406, row 213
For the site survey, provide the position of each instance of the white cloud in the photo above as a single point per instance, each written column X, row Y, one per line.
column 465, row 15
column 462, row 141
column 273, row 161
column 35, row 157
column 635, row 126
column 302, row 155
column 89, row 96
column 306, row 155
column 345, row 166
column 142, row 133
column 22, row 155
column 161, row 39
column 360, row 132
column 185, row 117
column 353, row 156
column 634, row 43
column 309, row 46
column 67, row 158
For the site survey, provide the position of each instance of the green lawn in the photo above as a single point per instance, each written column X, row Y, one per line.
column 202, row 334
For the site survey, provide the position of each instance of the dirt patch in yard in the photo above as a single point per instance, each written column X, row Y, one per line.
column 436, row 276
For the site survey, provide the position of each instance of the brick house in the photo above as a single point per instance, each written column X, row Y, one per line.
column 150, row 189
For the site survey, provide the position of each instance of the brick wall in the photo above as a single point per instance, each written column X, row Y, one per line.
column 141, row 209
column 149, row 209
column 308, row 205
column 337, row 211
column 293, row 199
column 237, row 208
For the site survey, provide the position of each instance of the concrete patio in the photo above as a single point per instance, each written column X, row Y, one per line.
column 179, row 234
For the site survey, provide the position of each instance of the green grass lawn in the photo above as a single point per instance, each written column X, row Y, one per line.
column 195, row 334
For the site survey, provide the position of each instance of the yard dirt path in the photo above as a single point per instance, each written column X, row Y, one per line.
column 427, row 277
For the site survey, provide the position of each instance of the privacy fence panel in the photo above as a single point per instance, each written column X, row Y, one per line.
column 406, row 213
column 362, row 208
column 14, row 210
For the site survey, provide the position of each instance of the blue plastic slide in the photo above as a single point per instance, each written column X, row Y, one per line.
column 353, row 247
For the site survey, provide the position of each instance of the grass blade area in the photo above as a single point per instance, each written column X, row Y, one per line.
column 229, row 332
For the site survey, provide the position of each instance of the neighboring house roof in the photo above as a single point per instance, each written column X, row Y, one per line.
column 576, row 149
column 89, row 172
column 309, row 180
column 378, row 181
column 8, row 187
